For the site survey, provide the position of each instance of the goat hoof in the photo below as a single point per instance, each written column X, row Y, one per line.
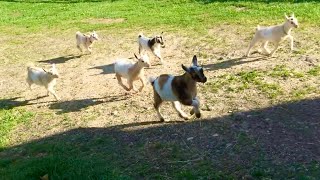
column 161, row 119
column 198, row 115
column 192, row 112
column 186, row 118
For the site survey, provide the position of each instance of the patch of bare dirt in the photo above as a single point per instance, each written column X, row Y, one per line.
column 104, row 20
column 91, row 96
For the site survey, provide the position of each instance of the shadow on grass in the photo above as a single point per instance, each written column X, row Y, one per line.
column 80, row 104
column 279, row 142
column 106, row 69
column 61, row 59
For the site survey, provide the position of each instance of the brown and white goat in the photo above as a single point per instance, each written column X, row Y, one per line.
column 179, row 89
column 86, row 40
column 131, row 71
column 45, row 78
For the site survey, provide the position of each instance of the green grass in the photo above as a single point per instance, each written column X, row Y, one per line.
column 284, row 72
column 9, row 119
column 195, row 16
column 256, row 80
column 315, row 71
column 101, row 156
column 245, row 80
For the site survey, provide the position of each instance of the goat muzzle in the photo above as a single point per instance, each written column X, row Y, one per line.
column 204, row 80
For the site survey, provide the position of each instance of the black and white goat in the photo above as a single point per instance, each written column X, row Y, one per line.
column 151, row 44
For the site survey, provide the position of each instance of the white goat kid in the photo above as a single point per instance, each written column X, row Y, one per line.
column 86, row 40
column 179, row 89
column 274, row 34
column 41, row 77
column 131, row 71
column 151, row 44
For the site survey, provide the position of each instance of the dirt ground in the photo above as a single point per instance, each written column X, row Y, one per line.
column 92, row 98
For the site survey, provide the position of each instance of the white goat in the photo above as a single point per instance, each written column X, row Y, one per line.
column 179, row 89
column 274, row 34
column 44, row 78
column 86, row 40
column 131, row 71
column 151, row 44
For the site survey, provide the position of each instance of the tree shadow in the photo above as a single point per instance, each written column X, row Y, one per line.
column 232, row 62
column 80, row 104
column 277, row 142
column 61, row 59
column 106, row 69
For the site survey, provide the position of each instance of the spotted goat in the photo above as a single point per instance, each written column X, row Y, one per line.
column 151, row 44
column 179, row 90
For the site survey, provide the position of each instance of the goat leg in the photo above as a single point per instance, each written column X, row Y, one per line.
column 177, row 106
column 120, row 82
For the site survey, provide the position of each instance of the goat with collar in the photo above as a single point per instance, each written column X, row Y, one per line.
column 153, row 44
column 179, row 89
column 86, row 40
column 274, row 34
column 42, row 77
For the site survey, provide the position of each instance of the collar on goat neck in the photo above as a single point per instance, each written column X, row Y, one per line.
column 89, row 39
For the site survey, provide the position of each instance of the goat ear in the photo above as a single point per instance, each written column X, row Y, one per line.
column 292, row 14
column 135, row 55
column 161, row 32
column 185, row 68
column 195, row 60
column 285, row 16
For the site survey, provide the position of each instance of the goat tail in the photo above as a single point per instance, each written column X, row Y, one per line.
column 151, row 80
column 30, row 65
column 78, row 33
column 257, row 28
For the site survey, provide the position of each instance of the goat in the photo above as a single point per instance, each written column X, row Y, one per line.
column 131, row 71
column 42, row 77
column 179, row 89
column 274, row 34
column 86, row 40
column 151, row 44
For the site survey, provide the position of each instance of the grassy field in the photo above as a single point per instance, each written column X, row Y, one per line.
column 260, row 114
